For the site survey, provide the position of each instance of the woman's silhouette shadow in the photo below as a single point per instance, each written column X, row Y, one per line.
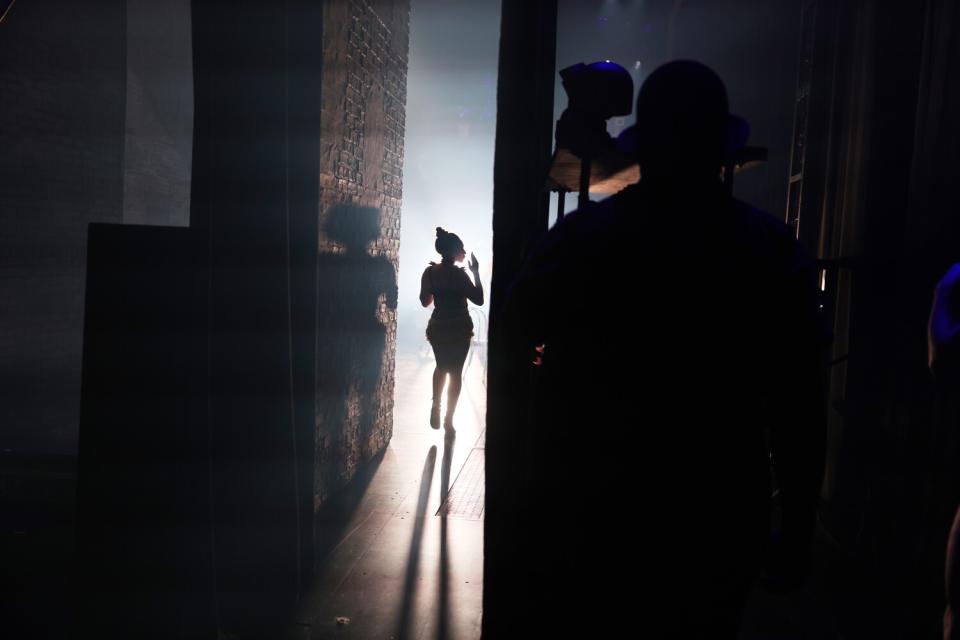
column 357, row 293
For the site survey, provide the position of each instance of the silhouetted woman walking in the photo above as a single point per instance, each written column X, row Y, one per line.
column 449, row 331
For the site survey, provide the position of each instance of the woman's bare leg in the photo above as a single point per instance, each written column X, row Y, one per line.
column 453, row 395
column 456, row 383
column 438, row 378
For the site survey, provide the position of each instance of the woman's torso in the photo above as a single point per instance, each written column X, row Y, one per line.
column 447, row 288
column 450, row 313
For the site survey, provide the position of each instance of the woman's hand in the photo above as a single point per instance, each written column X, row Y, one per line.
column 475, row 293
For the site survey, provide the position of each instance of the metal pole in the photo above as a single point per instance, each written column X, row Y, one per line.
column 584, row 198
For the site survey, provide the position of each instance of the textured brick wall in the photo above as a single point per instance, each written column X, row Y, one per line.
column 362, row 132
column 61, row 153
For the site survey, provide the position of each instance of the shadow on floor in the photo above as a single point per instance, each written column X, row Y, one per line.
column 333, row 517
column 413, row 557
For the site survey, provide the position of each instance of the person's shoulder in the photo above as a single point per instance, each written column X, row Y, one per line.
column 768, row 232
column 763, row 221
column 568, row 248
column 579, row 234
column 586, row 224
column 601, row 214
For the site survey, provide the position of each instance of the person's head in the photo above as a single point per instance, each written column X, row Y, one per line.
column 682, row 120
column 450, row 246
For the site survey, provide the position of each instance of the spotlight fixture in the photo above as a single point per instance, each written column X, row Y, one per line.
column 596, row 92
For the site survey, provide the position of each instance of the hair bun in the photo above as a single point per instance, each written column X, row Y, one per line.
column 441, row 232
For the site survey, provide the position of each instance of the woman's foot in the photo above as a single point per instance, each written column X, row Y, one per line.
column 435, row 416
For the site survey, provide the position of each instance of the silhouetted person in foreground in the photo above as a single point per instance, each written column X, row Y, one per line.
column 943, row 344
column 681, row 334
column 450, row 328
